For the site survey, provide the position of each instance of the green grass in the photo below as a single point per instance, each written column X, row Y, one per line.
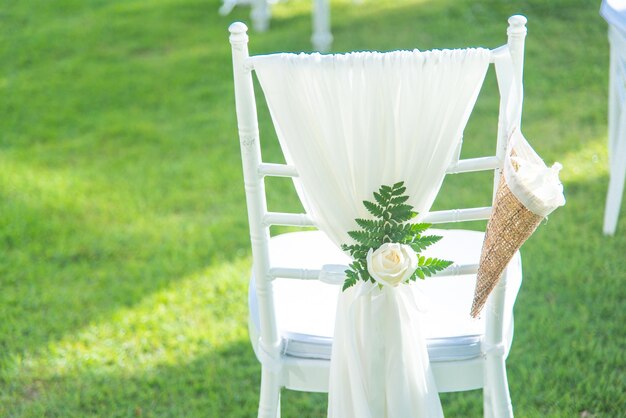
column 124, row 249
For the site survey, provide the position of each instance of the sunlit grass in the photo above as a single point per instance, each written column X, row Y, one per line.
column 586, row 164
column 187, row 319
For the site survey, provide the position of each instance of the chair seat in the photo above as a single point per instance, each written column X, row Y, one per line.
column 305, row 309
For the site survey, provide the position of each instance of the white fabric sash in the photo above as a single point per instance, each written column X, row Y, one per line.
column 350, row 123
column 384, row 369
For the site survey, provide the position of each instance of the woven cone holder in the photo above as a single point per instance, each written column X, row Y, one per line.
column 510, row 224
column 528, row 192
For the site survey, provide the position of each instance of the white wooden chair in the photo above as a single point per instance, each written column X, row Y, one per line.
column 261, row 13
column 615, row 14
column 291, row 321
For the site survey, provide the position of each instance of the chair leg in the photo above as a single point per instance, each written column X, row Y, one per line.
column 260, row 15
column 616, row 183
column 498, row 388
column 227, row 7
column 269, row 404
column 617, row 142
column 322, row 37
column 487, row 406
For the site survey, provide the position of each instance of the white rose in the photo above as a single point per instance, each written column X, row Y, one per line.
column 391, row 264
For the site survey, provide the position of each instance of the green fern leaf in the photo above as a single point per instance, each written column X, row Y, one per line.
column 373, row 208
column 380, row 199
column 418, row 228
column 399, row 191
column 368, row 224
column 359, row 236
column 399, row 199
column 348, row 283
column 424, row 242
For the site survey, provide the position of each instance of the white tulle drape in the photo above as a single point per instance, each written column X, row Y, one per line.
column 351, row 123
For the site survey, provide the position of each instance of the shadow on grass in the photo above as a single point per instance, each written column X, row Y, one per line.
column 219, row 383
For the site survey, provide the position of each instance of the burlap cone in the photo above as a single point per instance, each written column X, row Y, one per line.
column 509, row 226
column 528, row 192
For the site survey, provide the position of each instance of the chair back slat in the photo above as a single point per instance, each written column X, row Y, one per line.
column 458, row 166
column 470, row 165
column 277, row 170
column 458, row 215
column 315, row 274
column 288, row 219
column 433, row 217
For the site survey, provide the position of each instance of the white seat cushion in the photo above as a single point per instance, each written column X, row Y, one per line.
column 305, row 309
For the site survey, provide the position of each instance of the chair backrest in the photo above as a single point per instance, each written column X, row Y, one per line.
column 508, row 60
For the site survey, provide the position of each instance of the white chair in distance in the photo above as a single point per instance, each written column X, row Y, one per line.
column 292, row 296
column 614, row 11
column 261, row 13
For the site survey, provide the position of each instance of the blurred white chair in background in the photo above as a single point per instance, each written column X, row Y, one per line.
column 261, row 13
column 293, row 289
column 614, row 11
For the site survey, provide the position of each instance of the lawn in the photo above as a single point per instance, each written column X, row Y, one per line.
column 124, row 249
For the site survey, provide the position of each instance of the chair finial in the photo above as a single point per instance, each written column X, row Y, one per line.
column 517, row 24
column 238, row 33
column 237, row 28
